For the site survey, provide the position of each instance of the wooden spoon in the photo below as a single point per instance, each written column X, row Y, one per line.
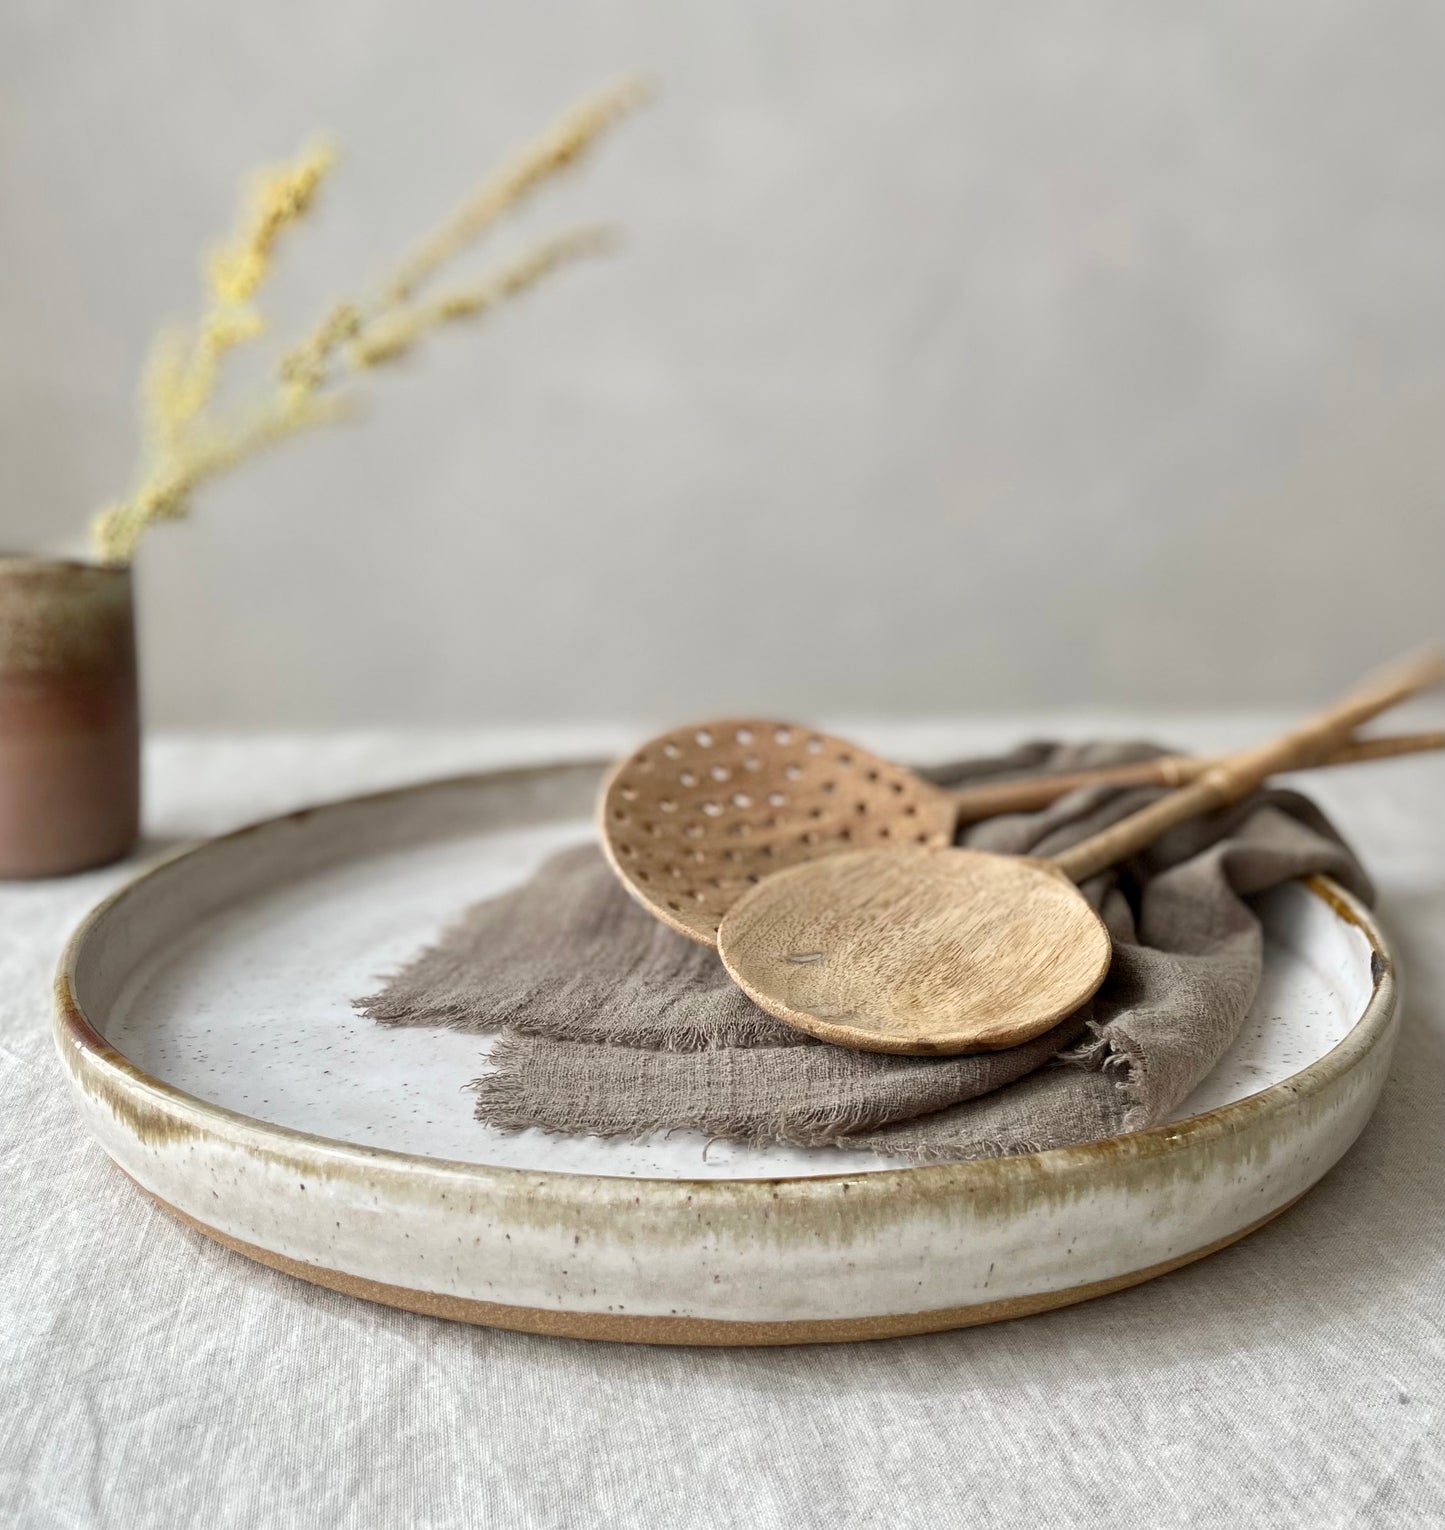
column 944, row 951
column 696, row 817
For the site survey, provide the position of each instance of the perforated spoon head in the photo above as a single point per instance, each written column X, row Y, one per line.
column 699, row 816
column 918, row 951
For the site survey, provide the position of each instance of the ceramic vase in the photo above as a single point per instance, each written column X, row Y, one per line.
column 69, row 716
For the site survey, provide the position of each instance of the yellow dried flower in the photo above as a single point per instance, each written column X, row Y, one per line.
column 278, row 197
column 182, row 375
column 561, row 146
column 398, row 330
column 185, row 445
column 303, row 367
column 165, row 496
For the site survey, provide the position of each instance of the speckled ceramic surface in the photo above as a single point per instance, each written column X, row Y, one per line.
column 203, row 1015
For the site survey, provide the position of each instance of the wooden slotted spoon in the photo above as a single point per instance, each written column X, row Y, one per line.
column 696, row 817
column 945, row 950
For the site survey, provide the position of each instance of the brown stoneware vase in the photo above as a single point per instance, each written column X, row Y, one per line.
column 69, row 716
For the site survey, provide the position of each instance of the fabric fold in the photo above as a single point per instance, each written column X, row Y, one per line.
column 612, row 1024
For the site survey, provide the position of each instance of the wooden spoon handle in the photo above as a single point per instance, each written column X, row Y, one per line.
column 1030, row 793
column 1239, row 774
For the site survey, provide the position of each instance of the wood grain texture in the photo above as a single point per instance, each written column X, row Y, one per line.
column 696, row 817
column 917, row 951
column 1239, row 774
column 699, row 816
column 965, row 951
column 1029, row 794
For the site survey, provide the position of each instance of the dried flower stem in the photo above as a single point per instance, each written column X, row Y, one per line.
column 395, row 332
column 569, row 138
column 561, row 146
column 277, row 197
column 165, row 496
column 185, row 445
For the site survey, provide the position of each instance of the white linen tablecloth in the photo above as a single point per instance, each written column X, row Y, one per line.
column 150, row 1378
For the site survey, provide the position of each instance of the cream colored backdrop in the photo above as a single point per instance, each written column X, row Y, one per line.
column 962, row 355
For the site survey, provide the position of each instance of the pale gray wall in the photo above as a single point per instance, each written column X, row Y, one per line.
column 963, row 354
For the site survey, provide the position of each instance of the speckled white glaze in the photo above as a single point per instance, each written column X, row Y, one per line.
column 204, row 1017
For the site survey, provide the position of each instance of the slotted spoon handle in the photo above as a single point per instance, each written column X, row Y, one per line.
column 1239, row 774
column 1029, row 793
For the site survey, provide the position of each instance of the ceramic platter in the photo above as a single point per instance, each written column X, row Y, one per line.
column 203, row 1015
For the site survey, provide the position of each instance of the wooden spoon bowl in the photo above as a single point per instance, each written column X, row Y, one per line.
column 700, row 815
column 936, row 950
column 695, row 818
column 920, row 951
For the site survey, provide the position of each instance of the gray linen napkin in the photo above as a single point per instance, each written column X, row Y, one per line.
column 614, row 1025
